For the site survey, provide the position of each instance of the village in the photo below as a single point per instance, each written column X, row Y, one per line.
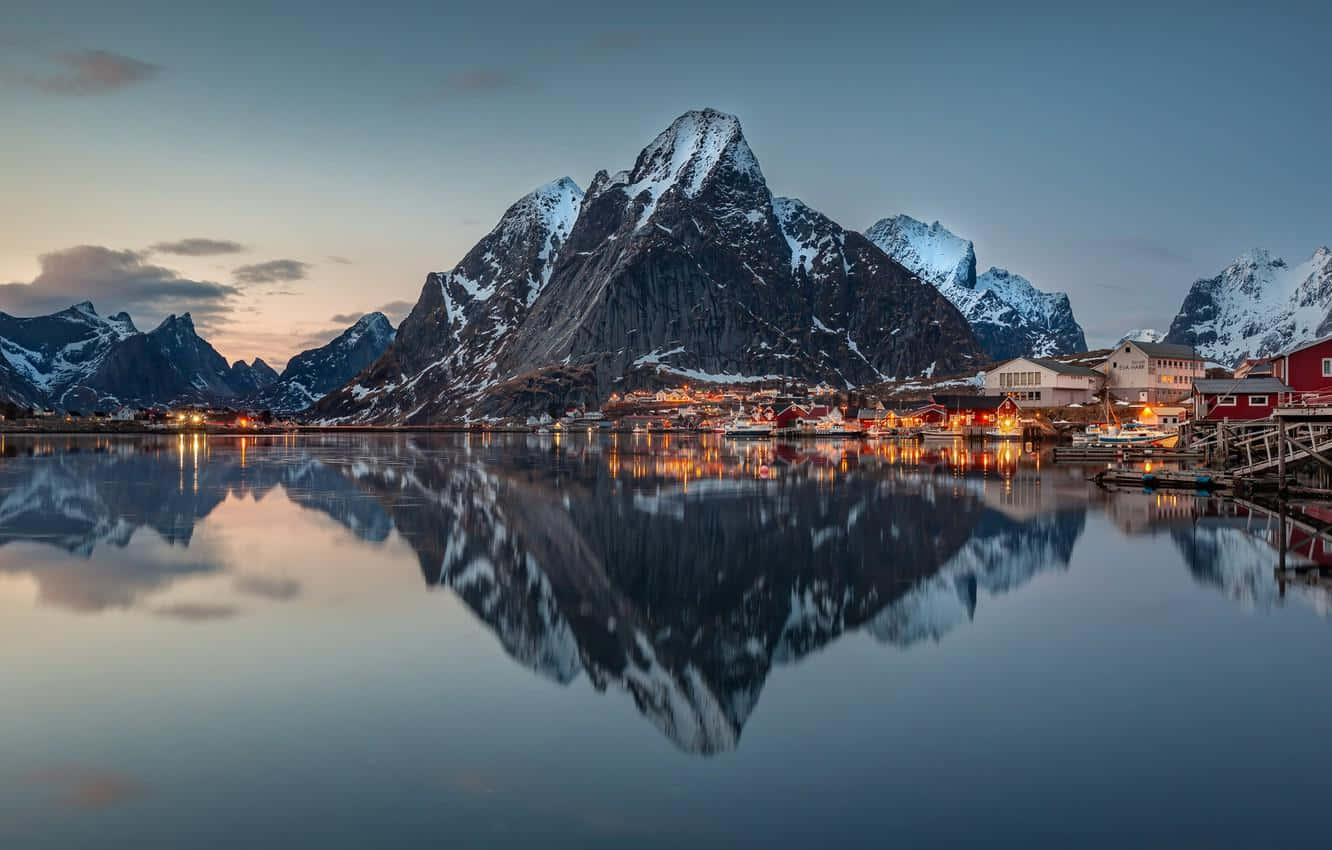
column 1139, row 393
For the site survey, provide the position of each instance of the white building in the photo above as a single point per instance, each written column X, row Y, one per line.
column 1153, row 372
column 1043, row 382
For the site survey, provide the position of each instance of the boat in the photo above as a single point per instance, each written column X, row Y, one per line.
column 743, row 426
column 1003, row 434
column 939, row 435
column 831, row 428
column 1134, row 434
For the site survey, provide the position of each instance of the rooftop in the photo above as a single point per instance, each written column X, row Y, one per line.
column 1232, row 386
column 1166, row 349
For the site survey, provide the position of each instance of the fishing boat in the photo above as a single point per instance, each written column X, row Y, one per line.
column 744, row 426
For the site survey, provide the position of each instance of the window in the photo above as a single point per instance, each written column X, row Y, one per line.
column 1258, row 401
column 1226, row 401
column 1327, row 367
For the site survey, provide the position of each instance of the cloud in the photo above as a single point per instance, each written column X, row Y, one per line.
column 395, row 310
column 115, row 280
column 91, row 72
column 90, row 788
column 342, row 261
column 197, row 612
column 273, row 271
column 265, row 587
column 199, row 247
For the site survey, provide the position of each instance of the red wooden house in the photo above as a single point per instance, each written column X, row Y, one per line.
column 790, row 415
column 977, row 409
column 1237, row 399
column 1306, row 368
column 929, row 414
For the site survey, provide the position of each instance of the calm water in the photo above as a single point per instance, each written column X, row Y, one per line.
column 514, row 642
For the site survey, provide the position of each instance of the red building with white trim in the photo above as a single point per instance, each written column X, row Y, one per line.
column 1237, row 399
column 1306, row 368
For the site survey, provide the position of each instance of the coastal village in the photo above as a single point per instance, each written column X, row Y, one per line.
column 1140, row 392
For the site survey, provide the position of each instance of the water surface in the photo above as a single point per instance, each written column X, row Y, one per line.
column 592, row 641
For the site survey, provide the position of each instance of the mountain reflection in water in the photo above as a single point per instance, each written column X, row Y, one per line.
column 678, row 570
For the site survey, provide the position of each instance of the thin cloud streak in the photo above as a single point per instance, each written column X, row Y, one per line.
column 272, row 271
column 92, row 72
column 198, row 246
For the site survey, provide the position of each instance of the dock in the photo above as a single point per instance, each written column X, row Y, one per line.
column 1166, row 479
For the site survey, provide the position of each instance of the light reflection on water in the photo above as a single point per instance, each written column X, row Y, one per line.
column 324, row 630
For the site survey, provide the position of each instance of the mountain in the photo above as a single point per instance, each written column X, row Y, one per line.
column 1257, row 306
column 249, row 378
column 316, row 371
column 1010, row 316
column 169, row 364
column 45, row 358
column 1142, row 335
column 682, row 267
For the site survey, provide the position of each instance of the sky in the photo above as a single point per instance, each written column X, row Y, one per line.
column 278, row 173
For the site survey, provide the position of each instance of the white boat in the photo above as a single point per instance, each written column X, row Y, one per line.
column 939, row 435
column 1133, row 434
column 743, row 426
column 829, row 428
column 1003, row 434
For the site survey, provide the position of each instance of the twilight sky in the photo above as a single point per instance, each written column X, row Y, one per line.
column 278, row 174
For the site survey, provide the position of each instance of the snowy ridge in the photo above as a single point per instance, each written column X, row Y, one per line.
column 1258, row 306
column 1010, row 316
column 930, row 251
column 683, row 156
column 1141, row 335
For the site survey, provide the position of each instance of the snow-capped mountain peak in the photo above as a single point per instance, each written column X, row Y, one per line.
column 686, row 153
column 931, row 251
column 1009, row 315
column 1257, row 306
column 1142, row 335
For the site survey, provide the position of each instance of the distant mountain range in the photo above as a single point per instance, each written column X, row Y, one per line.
column 78, row 360
column 1010, row 316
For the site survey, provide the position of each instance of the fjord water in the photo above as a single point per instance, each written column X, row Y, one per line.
column 641, row 641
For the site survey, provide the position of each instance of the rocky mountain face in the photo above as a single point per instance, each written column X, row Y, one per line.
column 1009, row 316
column 249, row 378
column 78, row 360
column 170, row 363
column 1257, row 306
column 44, row 359
column 316, row 371
column 683, row 266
